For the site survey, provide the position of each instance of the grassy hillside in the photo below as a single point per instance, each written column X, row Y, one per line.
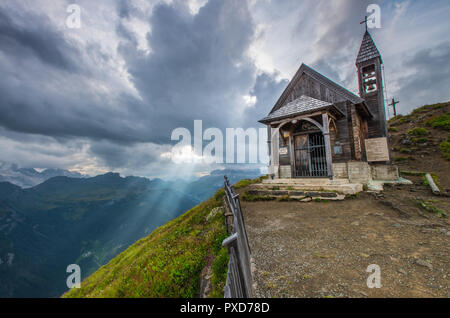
column 420, row 141
column 168, row 262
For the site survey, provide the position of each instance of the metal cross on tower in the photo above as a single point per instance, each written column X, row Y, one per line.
column 394, row 102
column 365, row 21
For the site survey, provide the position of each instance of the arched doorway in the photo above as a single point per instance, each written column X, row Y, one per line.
column 310, row 160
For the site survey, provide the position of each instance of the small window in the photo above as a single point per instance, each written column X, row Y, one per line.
column 369, row 78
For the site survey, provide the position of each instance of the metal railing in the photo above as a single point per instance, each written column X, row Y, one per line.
column 239, row 276
column 310, row 157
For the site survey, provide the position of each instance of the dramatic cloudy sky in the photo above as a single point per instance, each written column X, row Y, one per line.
column 107, row 96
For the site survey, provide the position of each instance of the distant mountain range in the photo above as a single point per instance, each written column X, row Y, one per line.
column 85, row 221
column 204, row 187
column 29, row 177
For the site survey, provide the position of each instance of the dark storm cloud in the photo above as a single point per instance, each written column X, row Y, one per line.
column 17, row 38
column 63, row 87
column 339, row 36
column 60, row 116
column 113, row 154
column 428, row 78
column 267, row 91
column 45, row 87
column 198, row 67
column 123, row 9
column 131, row 157
column 128, row 9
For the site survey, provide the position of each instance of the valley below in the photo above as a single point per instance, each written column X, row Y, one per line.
column 84, row 221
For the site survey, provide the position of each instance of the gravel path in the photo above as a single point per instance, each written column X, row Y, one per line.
column 323, row 249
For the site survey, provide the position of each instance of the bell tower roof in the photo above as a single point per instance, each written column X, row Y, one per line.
column 368, row 50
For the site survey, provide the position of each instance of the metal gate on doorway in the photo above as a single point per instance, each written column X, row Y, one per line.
column 310, row 160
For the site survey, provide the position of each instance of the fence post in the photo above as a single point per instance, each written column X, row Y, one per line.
column 239, row 276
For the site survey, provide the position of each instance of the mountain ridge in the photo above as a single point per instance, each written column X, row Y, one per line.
column 30, row 177
column 84, row 221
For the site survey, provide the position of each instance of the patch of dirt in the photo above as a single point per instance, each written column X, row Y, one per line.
column 323, row 249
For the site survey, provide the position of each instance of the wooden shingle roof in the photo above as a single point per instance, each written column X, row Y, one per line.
column 305, row 69
column 368, row 50
column 302, row 105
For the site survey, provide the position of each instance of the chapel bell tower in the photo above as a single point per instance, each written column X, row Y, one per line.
column 369, row 65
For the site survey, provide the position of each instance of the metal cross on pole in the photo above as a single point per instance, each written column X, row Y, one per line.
column 365, row 21
column 394, row 102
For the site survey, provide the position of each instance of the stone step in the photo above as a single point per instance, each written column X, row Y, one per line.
column 309, row 181
column 349, row 188
column 305, row 196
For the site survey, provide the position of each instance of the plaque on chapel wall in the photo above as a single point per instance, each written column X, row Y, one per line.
column 283, row 151
column 377, row 149
column 337, row 150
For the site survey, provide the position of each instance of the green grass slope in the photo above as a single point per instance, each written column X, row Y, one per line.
column 420, row 141
column 168, row 262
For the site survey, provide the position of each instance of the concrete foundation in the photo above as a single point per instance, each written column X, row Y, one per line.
column 285, row 172
column 363, row 172
column 358, row 172
column 340, row 170
column 384, row 172
column 354, row 171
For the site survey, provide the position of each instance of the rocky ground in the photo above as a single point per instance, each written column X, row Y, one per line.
column 323, row 249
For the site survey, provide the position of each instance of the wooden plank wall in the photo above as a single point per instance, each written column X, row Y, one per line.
column 308, row 86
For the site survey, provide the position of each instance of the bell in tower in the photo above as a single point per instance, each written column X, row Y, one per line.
column 369, row 64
